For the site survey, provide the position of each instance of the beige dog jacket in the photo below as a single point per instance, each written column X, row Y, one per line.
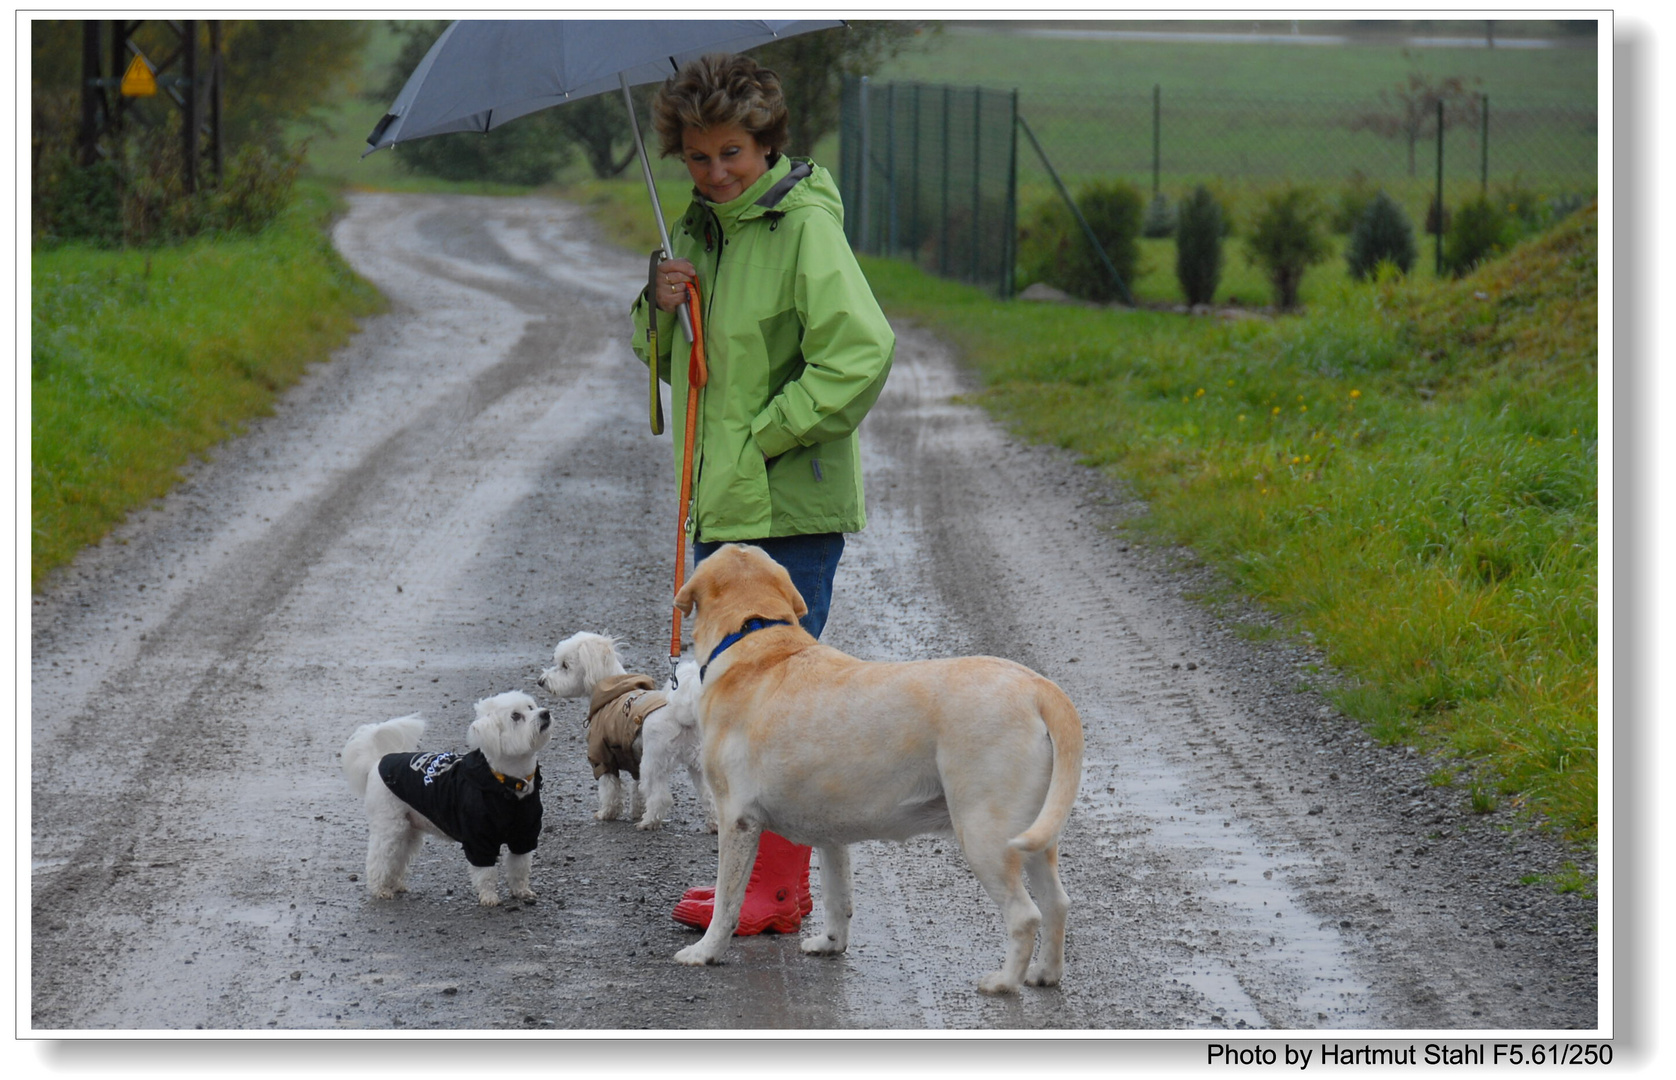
column 619, row 706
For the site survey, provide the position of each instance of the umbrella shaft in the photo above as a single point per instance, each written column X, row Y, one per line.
column 652, row 190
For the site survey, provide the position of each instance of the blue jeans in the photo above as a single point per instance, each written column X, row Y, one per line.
column 812, row 562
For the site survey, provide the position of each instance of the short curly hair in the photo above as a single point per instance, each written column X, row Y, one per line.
column 718, row 90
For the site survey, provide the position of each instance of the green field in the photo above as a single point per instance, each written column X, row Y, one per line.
column 1256, row 114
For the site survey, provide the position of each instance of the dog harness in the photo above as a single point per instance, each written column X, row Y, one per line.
column 751, row 626
column 463, row 796
column 619, row 706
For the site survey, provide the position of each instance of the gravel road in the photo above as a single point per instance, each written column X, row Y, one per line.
column 470, row 480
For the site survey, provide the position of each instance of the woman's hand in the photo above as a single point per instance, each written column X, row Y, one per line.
column 672, row 278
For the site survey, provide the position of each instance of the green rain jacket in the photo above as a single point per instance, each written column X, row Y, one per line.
column 798, row 351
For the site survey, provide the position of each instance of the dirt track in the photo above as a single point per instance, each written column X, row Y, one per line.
column 470, row 480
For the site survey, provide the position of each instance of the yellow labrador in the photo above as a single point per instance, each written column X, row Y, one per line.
column 826, row 750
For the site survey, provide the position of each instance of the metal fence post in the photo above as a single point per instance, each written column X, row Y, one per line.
column 1157, row 93
column 943, row 261
column 913, row 213
column 189, row 123
column 1439, row 187
column 1076, row 212
column 1484, row 144
column 1009, row 251
column 890, row 169
column 864, row 164
column 977, row 173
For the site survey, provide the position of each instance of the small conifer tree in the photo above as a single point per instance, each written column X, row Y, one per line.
column 1199, row 232
column 1382, row 234
column 1286, row 241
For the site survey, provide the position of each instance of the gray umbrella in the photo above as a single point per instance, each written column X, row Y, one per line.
column 482, row 73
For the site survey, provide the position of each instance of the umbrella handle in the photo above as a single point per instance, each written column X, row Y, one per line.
column 698, row 373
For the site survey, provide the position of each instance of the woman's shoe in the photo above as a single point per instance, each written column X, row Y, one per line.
column 776, row 899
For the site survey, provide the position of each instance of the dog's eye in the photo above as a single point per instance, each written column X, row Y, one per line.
column 517, row 716
column 565, row 666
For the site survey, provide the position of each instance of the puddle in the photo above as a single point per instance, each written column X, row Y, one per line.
column 1255, row 919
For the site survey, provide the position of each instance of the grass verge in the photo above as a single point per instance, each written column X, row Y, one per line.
column 1408, row 471
column 141, row 359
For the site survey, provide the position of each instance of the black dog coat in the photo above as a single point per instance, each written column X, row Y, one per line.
column 462, row 796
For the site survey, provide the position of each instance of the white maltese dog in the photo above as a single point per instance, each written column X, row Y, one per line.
column 482, row 800
column 633, row 728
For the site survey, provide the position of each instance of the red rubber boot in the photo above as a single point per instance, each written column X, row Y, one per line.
column 776, row 899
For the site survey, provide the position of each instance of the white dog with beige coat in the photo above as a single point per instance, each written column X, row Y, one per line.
column 826, row 750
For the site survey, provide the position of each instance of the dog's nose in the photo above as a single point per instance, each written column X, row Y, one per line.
column 546, row 719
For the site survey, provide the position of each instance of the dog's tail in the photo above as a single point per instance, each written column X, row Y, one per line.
column 1065, row 729
column 372, row 741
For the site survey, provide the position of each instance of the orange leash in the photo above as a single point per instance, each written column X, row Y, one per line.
column 698, row 373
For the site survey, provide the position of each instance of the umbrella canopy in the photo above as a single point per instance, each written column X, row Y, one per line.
column 482, row 73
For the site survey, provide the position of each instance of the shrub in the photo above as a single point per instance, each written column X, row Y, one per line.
column 1199, row 235
column 1286, row 240
column 82, row 204
column 1480, row 229
column 1353, row 202
column 1382, row 234
column 1522, row 204
column 1160, row 218
column 1054, row 250
column 138, row 195
column 1437, row 218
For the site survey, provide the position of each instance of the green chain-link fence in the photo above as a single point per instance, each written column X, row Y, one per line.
column 927, row 174
column 945, row 175
column 1175, row 138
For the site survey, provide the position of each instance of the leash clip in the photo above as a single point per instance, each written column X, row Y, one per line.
column 674, row 680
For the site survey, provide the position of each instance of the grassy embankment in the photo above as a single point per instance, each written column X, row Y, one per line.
column 142, row 359
column 1407, row 471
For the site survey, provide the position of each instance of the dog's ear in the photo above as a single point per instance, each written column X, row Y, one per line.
column 688, row 595
column 484, row 733
column 782, row 580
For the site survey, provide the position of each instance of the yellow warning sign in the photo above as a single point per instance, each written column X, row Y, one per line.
column 138, row 81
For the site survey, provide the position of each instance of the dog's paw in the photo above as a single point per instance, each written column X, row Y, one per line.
column 1041, row 975
column 488, row 900
column 523, row 894
column 382, row 894
column 605, row 815
column 649, row 823
column 824, row 945
column 996, row 982
column 696, row 956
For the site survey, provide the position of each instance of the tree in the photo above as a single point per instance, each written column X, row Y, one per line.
column 1199, row 246
column 1409, row 109
column 812, row 68
column 1286, row 241
column 276, row 72
column 600, row 129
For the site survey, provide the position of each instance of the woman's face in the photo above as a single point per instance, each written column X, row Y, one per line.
column 723, row 161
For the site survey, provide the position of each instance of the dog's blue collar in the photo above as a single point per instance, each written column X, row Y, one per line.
column 751, row 626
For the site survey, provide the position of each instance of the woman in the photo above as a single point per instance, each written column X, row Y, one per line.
column 798, row 351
